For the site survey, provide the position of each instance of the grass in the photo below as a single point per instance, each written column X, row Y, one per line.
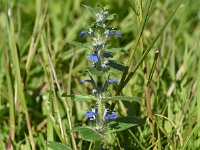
column 37, row 66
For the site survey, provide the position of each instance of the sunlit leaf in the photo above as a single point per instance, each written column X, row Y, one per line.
column 79, row 97
column 123, row 123
column 57, row 146
column 88, row 134
column 111, row 17
column 116, row 50
column 93, row 71
column 92, row 10
column 78, row 44
column 125, row 98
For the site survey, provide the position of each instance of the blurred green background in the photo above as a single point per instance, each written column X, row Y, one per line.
column 37, row 65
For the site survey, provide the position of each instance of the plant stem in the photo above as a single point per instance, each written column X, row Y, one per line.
column 147, row 88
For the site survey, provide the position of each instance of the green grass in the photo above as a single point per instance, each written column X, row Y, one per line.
column 37, row 66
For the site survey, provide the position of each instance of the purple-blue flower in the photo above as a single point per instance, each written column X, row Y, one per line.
column 91, row 114
column 114, row 33
column 83, row 81
column 83, row 33
column 93, row 57
column 113, row 81
column 110, row 116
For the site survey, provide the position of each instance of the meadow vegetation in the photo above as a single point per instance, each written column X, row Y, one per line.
column 38, row 65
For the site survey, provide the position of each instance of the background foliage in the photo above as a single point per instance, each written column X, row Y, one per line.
column 37, row 65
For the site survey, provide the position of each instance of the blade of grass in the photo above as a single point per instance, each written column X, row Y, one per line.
column 195, row 130
column 10, row 97
column 137, row 40
column 15, row 59
column 153, row 67
column 136, row 140
column 130, row 59
column 39, row 23
column 69, row 111
column 150, row 46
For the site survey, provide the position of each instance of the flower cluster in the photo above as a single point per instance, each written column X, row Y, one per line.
column 100, row 32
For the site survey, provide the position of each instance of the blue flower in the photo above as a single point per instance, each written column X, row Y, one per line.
column 83, row 81
column 93, row 57
column 91, row 80
column 89, row 114
column 92, row 114
column 110, row 115
column 113, row 81
column 83, row 33
column 114, row 33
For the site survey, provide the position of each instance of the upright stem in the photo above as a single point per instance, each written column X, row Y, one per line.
column 147, row 89
column 100, row 113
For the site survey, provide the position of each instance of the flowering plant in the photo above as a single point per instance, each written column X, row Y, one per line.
column 103, row 119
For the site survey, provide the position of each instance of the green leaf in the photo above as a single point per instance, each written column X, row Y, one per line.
column 111, row 17
column 88, row 134
column 116, row 65
column 116, row 50
column 78, row 44
column 92, row 10
column 57, row 146
column 93, row 71
column 123, row 123
column 79, row 97
column 107, row 7
column 125, row 98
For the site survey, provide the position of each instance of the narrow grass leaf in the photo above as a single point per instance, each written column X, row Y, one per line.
column 150, row 46
column 194, row 131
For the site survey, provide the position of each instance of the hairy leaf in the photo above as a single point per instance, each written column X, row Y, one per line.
column 125, row 98
column 92, row 10
column 116, row 50
column 93, row 71
column 57, row 146
column 123, row 123
column 79, row 97
column 78, row 44
column 111, row 17
column 116, row 65
column 88, row 134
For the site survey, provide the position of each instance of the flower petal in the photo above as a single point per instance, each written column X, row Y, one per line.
column 89, row 114
column 114, row 81
column 93, row 57
column 83, row 33
column 110, row 116
column 115, row 33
